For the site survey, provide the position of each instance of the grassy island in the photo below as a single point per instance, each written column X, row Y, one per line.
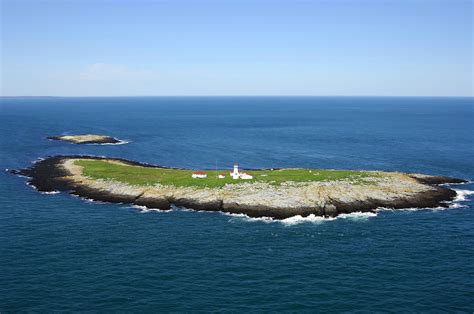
column 140, row 175
column 279, row 193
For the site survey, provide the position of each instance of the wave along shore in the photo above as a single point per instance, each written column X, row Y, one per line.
column 278, row 194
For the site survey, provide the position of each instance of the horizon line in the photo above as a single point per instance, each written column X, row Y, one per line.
column 116, row 96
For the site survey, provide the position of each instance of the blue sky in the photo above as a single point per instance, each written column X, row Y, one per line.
column 226, row 47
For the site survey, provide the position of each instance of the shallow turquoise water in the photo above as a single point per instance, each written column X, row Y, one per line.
column 58, row 252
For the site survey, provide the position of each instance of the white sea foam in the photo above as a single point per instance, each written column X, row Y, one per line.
column 51, row 192
column 461, row 183
column 462, row 195
column 144, row 209
column 184, row 209
column 407, row 209
column 415, row 209
column 37, row 160
column 119, row 143
column 243, row 217
column 41, row 192
column 22, row 176
column 89, row 200
column 32, row 186
column 357, row 215
column 457, row 205
column 298, row 219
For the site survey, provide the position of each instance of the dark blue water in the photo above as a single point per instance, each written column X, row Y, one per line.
column 58, row 252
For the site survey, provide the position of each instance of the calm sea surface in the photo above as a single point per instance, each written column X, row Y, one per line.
column 59, row 252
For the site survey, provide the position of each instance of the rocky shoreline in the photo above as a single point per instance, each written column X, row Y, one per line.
column 86, row 139
column 392, row 190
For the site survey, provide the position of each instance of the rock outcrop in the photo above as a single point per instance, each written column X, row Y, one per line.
column 86, row 139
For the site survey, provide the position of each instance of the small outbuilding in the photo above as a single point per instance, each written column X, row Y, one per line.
column 199, row 175
column 246, row 176
column 222, row 176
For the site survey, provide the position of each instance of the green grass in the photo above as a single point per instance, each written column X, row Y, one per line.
column 136, row 175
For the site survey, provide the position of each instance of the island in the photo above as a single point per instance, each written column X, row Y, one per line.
column 86, row 139
column 275, row 193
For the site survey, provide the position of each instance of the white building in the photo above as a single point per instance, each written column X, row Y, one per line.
column 222, row 176
column 246, row 176
column 236, row 174
column 199, row 175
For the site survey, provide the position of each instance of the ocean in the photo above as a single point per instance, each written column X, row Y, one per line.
column 62, row 253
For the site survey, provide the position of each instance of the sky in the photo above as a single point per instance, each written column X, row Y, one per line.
column 242, row 48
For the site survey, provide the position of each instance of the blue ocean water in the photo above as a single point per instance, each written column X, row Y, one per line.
column 59, row 252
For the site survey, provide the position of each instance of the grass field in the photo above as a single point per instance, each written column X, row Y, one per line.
column 136, row 175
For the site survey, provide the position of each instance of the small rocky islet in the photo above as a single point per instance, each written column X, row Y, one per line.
column 275, row 193
column 86, row 139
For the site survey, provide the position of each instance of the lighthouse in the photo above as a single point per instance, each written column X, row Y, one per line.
column 235, row 174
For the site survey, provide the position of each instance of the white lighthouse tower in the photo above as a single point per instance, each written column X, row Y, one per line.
column 235, row 174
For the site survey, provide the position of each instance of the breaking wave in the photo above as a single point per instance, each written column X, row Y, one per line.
column 119, row 143
column 144, row 209
column 36, row 189
column 51, row 192
column 298, row 219
column 462, row 195
column 294, row 220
